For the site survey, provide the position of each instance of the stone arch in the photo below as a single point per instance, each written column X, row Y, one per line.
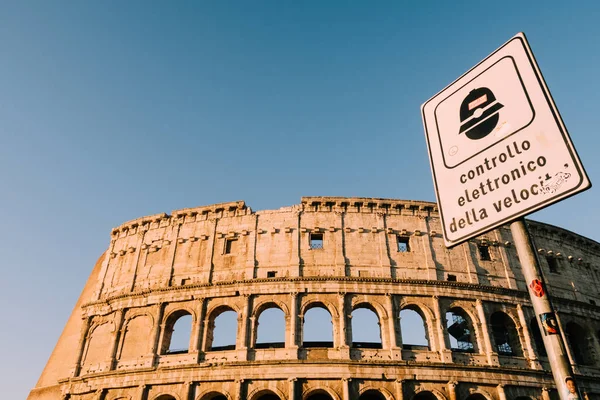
column 135, row 336
column 212, row 316
column 270, row 303
column 320, row 391
column 479, row 395
column 320, row 343
column 360, row 344
column 259, row 311
column 462, row 329
column 428, row 394
column 371, row 304
column 258, row 392
column 426, row 319
column 505, row 337
column 210, row 394
column 580, row 342
column 377, row 391
column 312, row 303
column 169, row 327
column 98, row 342
column 166, row 396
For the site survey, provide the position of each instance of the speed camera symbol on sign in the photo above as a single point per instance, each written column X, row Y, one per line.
column 479, row 115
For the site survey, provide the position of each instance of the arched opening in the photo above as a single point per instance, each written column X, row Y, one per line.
column 165, row 397
column 372, row 394
column 270, row 329
column 412, row 327
column 136, row 337
column 504, row 334
column 213, row 396
column 222, row 330
column 366, row 331
column 268, row 396
column 318, row 327
column 178, row 329
column 580, row 343
column 476, row 396
column 425, row 395
column 319, row 395
column 460, row 328
column 534, row 328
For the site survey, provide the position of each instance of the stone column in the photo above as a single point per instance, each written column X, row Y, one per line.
column 525, row 337
column 452, row 390
column 293, row 326
column 195, row 345
column 445, row 353
column 190, row 391
column 81, row 346
column 492, row 356
column 343, row 327
column 346, row 388
column 393, row 342
column 545, row 393
column 245, row 329
column 115, row 339
column 141, row 393
column 399, row 389
column 501, row 392
column 156, row 332
column 292, row 388
column 240, row 390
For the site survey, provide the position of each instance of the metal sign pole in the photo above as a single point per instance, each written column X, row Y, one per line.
column 555, row 348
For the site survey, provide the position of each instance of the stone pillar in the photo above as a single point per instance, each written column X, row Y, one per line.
column 501, row 392
column 81, row 346
column 545, row 393
column 141, row 393
column 344, row 329
column 172, row 250
column 346, row 388
column 293, row 326
column 525, row 337
column 452, row 390
column 190, row 391
column 115, row 339
column 240, row 390
column 399, row 389
column 156, row 332
column 245, row 329
column 292, row 388
column 195, row 345
column 445, row 353
column 393, row 342
column 492, row 356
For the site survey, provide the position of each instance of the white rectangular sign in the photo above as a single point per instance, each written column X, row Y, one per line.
column 497, row 145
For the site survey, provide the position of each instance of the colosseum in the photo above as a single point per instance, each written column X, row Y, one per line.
column 475, row 337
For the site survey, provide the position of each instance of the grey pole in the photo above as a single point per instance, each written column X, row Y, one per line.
column 555, row 348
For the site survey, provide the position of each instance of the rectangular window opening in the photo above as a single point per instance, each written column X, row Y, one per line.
column 552, row 264
column 403, row 244
column 451, row 278
column 230, row 245
column 484, row 253
column 316, row 241
column 271, row 274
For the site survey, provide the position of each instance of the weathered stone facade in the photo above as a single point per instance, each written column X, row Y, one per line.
column 338, row 254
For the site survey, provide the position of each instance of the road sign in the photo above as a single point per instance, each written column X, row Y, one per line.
column 498, row 147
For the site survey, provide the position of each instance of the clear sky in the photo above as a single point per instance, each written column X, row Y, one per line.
column 111, row 110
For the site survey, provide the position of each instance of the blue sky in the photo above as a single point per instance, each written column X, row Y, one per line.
column 114, row 110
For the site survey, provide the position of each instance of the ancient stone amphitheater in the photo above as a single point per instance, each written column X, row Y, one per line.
column 340, row 256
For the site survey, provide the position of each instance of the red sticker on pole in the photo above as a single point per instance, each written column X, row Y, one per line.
column 537, row 287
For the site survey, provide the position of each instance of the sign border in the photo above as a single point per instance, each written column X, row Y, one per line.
column 560, row 124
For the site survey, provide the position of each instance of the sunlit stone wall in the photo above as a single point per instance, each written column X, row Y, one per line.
column 472, row 332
